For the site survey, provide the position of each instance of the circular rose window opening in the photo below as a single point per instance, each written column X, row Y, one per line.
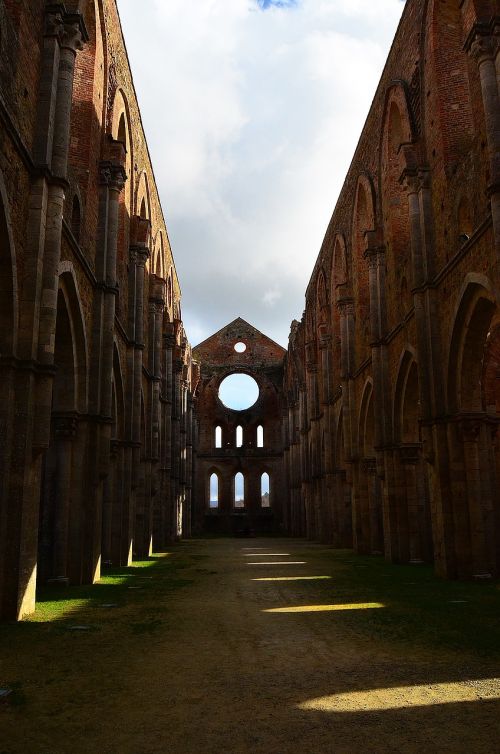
column 239, row 392
column 240, row 348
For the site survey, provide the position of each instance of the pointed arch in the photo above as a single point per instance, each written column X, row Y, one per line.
column 476, row 309
column 143, row 197
column 119, row 416
column 339, row 276
column 366, row 422
column 397, row 131
column 121, row 130
column 363, row 220
column 406, row 404
column 72, row 339
column 239, row 484
column 158, row 262
column 214, row 489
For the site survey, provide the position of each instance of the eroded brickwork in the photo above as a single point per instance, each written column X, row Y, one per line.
column 380, row 423
column 96, row 371
column 258, row 452
column 391, row 381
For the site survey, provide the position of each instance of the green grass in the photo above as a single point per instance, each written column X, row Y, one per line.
column 118, row 589
column 420, row 609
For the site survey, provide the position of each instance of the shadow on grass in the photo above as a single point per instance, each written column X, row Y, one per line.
column 146, row 584
column 419, row 607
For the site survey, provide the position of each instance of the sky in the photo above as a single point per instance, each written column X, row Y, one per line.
column 252, row 111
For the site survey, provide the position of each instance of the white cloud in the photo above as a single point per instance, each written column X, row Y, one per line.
column 252, row 118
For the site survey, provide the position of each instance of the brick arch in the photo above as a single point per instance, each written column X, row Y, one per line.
column 406, row 400
column 397, row 122
column 322, row 302
column 8, row 278
column 366, row 422
column 363, row 220
column 476, row 310
column 397, row 130
column 339, row 449
column 119, row 391
column 158, row 261
column 491, row 371
column 74, row 351
column 339, row 271
column 121, row 130
column 143, row 197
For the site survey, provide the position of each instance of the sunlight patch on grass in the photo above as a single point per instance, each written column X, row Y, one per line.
column 61, row 603
column 294, row 578
column 280, row 562
column 326, row 608
column 268, row 555
column 404, row 697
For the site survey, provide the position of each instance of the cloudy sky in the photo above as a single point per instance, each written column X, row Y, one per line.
column 252, row 110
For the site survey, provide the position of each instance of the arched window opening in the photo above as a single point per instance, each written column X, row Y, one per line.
column 214, row 492
column 76, row 218
column 265, row 490
column 218, row 437
column 260, row 436
column 239, row 490
column 239, row 437
column 395, row 129
column 143, row 212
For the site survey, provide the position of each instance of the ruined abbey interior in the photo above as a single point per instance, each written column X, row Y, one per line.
column 376, row 430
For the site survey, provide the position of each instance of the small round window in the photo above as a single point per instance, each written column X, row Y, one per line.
column 238, row 392
column 240, row 348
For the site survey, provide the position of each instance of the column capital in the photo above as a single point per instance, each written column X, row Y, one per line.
column 65, row 426
column 410, row 453
column 470, row 429
column 68, row 28
column 481, row 44
column 54, row 20
column 369, row 466
column 112, row 175
column 346, row 305
column 156, row 306
column 75, row 34
column 139, row 255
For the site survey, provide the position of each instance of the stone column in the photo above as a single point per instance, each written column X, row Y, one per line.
column 376, row 536
column 64, row 433
column 437, row 452
column 480, row 518
column 345, row 306
column 111, row 485
column 32, row 391
column 166, row 501
column 112, row 182
column 414, row 518
column 71, row 37
column 176, row 445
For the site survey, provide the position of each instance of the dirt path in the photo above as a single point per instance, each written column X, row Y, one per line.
column 243, row 661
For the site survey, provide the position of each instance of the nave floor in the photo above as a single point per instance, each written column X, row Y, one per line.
column 262, row 646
